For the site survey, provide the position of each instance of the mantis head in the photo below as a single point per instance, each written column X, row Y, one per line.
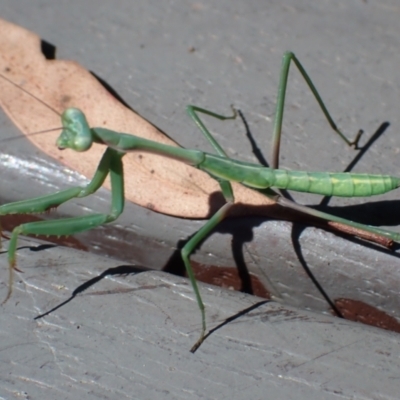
column 76, row 134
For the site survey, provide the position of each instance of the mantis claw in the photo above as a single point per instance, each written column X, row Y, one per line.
column 17, row 269
column 235, row 112
column 356, row 140
column 198, row 343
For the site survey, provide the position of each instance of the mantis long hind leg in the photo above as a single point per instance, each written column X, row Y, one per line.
column 280, row 104
column 368, row 232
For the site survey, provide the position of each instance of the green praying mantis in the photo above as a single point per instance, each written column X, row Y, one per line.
column 78, row 136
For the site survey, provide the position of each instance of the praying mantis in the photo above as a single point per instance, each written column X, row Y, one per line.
column 78, row 136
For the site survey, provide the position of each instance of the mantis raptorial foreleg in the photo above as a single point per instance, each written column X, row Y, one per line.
column 110, row 163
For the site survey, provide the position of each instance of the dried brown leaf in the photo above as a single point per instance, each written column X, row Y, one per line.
column 158, row 183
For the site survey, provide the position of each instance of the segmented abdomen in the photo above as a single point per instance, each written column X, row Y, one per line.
column 334, row 184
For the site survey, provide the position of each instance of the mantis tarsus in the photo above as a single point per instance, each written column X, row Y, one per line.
column 78, row 136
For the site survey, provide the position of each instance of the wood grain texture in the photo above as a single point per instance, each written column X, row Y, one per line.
column 129, row 335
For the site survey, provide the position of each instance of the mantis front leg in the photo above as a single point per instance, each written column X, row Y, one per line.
column 111, row 163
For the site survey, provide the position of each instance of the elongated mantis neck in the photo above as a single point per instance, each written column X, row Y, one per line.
column 124, row 143
column 78, row 136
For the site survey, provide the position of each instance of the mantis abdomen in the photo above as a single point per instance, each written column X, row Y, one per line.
column 341, row 184
column 333, row 184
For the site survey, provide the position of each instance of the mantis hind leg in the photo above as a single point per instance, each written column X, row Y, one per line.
column 280, row 104
column 369, row 232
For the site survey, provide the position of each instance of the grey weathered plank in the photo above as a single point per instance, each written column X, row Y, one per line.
column 129, row 337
